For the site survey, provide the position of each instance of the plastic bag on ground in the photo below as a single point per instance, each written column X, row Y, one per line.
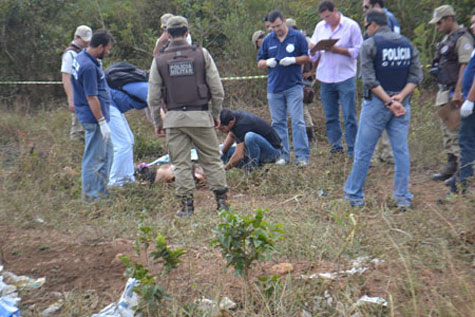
column 127, row 303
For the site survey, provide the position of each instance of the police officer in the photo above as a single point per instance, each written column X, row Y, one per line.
column 383, row 148
column 82, row 36
column 452, row 56
column 391, row 70
column 187, row 78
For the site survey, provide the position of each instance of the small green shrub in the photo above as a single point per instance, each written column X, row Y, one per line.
column 150, row 291
column 245, row 239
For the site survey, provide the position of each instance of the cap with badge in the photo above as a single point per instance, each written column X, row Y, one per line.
column 84, row 32
column 164, row 19
column 442, row 12
column 177, row 22
column 256, row 36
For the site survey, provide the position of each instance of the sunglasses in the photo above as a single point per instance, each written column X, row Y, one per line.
column 366, row 26
column 366, row 7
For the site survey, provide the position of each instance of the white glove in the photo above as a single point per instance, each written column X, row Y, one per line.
column 271, row 62
column 105, row 130
column 286, row 61
column 467, row 109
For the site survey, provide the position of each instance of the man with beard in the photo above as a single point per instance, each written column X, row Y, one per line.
column 92, row 102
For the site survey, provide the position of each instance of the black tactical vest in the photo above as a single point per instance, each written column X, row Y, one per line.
column 447, row 58
column 73, row 47
column 392, row 62
column 183, row 71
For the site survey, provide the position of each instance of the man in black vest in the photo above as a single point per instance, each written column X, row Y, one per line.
column 82, row 36
column 187, row 79
column 391, row 70
column 452, row 55
column 257, row 142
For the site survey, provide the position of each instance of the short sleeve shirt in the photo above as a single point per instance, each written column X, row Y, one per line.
column 283, row 77
column 89, row 79
column 67, row 61
column 464, row 48
column 249, row 122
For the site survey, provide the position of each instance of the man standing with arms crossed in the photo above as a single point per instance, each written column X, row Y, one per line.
column 82, row 36
column 337, row 71
column 92, row 102
column 391, row 70
column 187, row 78
column 452, row 56
column 282, row 53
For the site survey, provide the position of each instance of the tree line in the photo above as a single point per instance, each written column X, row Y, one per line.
column 34, row 33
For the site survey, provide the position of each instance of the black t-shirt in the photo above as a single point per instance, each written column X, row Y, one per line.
column 249, row 122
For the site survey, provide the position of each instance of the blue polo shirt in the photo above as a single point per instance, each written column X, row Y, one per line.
column 124, row 102
column 283, row 77
column 393, row 23
column 88, row 79
column 468, row 76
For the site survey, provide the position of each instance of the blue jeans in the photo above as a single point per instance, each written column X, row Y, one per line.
column 290, row 100
column 333, row 94
column 374, row 118
column 467, row 147
column 122, row 170
column 96, row 163
column 258, row 152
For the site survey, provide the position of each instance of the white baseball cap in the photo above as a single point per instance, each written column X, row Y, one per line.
column 84, row 32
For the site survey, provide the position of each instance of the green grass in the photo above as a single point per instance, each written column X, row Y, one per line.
column 428, row 267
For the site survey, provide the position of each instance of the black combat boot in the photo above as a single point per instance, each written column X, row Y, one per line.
column 449, row 171
column 221, row 198
column 310, row 135
column 186, row 207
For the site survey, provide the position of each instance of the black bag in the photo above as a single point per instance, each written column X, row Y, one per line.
column 121, row 73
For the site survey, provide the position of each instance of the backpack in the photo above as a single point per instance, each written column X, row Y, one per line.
column 121, row 73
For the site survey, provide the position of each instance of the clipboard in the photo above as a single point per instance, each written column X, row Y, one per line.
column 323, row 45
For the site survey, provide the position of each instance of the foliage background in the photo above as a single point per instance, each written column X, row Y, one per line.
column 33, row 34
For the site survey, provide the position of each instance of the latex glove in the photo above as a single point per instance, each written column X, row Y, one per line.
column 286, row 61
column 467, row 108
column 271, row 62
column 105, row 130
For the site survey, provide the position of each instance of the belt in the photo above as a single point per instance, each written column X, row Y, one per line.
column 445, row 87
column 190, row 108
column 392, row 93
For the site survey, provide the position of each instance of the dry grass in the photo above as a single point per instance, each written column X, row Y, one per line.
column 428, row 251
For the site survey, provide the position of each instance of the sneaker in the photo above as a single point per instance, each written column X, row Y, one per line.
column 403, row 204
column 302, row 163
column 281, row 161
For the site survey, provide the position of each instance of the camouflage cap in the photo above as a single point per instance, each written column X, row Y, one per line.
column 291, row 23
column 177, row 21
column 442, row 12
column 164, row 19
column 257, row 35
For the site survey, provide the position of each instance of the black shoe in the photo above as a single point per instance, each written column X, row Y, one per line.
column 187, row 208
column 449, row 171
column 221, row 199
column 310, row 135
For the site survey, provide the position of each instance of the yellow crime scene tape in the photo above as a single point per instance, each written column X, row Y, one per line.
column 39, row 82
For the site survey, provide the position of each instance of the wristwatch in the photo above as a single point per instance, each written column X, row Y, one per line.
column 389, row 103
